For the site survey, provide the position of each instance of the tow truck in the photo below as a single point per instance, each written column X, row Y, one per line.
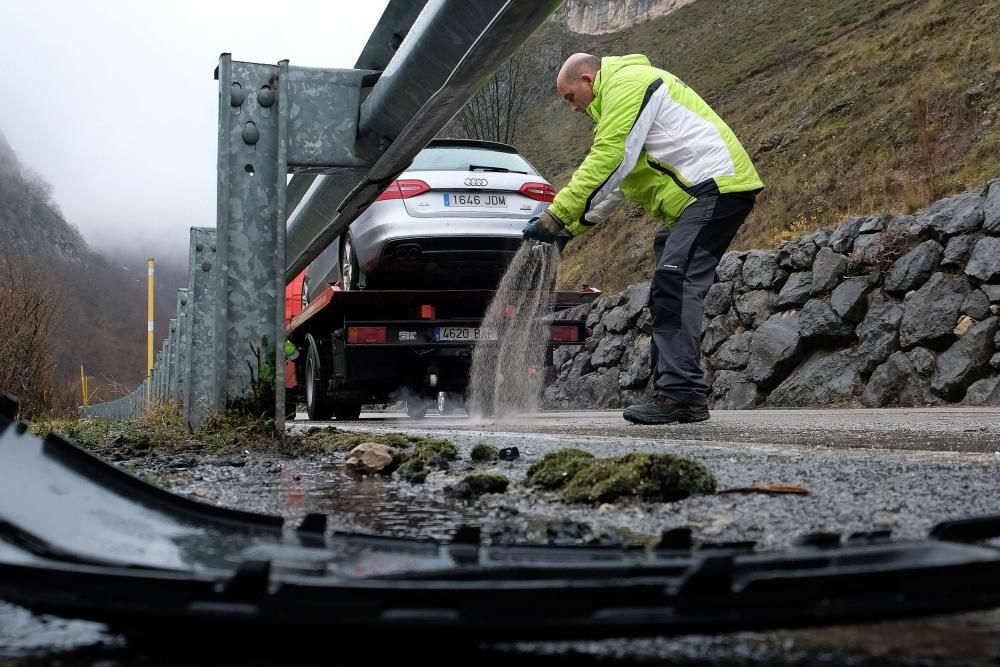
column 369, row 347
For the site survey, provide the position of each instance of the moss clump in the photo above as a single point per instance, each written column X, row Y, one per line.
column 324, row 440
column 478, row 483
column 428, row 454
column 557, row 468
column 652, row 477
column 163, row 431
column 485, row 452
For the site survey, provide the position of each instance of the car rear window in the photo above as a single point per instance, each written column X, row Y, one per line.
column 462, row 159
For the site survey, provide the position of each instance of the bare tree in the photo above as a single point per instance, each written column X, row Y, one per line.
column 28, row 310
column 493, row 113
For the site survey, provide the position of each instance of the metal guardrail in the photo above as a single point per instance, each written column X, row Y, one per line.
column 423, row 62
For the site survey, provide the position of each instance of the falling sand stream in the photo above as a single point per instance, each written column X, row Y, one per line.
column 506, row 376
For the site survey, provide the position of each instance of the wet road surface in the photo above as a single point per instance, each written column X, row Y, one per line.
column 904, row 470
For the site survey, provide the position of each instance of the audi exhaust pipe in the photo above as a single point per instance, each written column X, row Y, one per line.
column 407, row 253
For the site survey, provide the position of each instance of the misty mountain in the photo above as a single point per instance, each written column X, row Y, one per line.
column 101, row 313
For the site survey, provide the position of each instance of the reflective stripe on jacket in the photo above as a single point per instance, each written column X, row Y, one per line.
column 656, row 142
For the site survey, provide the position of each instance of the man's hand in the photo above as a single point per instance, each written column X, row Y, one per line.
column 544, row 228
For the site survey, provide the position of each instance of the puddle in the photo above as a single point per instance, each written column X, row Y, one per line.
column 370, row 504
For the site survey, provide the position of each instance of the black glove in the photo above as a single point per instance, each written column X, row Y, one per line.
column 544, row 228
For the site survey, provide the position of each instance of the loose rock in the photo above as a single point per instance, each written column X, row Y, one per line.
column 930, row 313
column 754, row 307
column 878, row 335
column 848, row 300
column 370, row 458
column 828, row 269
column 894, row 385
column 956, row 253
column 984, row 263
column 818, row 324
column 965, row 361
column 948, row 217
column 991, row 209
column 759, row 269
column 913, row 269
column 731, row 390
column 635, row 363
column 977, row 305
column 774, row 349
column 719, row 299
column 796, row 291
column 821, row 380
column 730, row 266
column 734, row 353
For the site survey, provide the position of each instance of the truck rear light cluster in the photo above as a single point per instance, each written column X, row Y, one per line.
column 427, row 311
column 365, row 335
column 404, row 189
column 565, row 333
column 538, row 191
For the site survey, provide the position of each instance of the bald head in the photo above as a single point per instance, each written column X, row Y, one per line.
column 576, row 80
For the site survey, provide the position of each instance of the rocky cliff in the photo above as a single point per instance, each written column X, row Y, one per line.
column 30, row 221
column 595, row 17
column 882, row 311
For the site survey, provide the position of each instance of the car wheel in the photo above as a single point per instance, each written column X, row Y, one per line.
column 416, row 409
column 347, row 410
column 442, row 403
column 317, row 405
column 305, row 293
column 350, row 274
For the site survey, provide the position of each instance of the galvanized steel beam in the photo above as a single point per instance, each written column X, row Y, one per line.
column 172, row 359
column 199, row 379
column 182, row 343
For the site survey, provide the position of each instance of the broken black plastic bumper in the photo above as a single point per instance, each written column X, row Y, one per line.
column 83, row 539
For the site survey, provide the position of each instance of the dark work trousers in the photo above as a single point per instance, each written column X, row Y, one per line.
column 687, row 255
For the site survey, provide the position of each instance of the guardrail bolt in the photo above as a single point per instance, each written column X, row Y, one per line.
column 265, row 97
column 236, row 95
column 250, row 133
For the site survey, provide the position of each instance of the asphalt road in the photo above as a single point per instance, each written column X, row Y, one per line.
column 933, row 429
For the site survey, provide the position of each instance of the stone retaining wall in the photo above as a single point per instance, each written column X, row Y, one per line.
column 882, row 312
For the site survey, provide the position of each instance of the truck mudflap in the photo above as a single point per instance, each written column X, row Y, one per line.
column 82, row 539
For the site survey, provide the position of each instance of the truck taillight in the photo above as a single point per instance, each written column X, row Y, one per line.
column 426, row 311
column 565, row 333
column 538, row 191
column 403, row 189
column 365, row 335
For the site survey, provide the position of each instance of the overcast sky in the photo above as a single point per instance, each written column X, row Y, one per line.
column 114, row 103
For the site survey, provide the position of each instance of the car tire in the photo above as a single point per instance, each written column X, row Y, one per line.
column 304, row 297
column 317, row 405
column 347, row 410
column 350, row 272
column 416, row 409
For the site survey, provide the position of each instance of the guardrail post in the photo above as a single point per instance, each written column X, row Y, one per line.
column 250, row 208
column 199, row 380
column 172, row 345
column 182, row 344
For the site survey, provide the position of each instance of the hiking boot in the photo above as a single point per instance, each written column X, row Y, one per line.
column 663, row 410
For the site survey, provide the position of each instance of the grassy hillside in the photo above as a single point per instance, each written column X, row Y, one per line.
column 846, row 106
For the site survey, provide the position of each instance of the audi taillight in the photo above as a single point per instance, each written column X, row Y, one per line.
column 403, row 189
column 366, row 335
column 564, row 333
column 538, row 191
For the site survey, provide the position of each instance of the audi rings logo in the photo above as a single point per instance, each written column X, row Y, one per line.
column 476, row 181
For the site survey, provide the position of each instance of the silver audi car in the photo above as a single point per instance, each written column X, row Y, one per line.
column 456, row 214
